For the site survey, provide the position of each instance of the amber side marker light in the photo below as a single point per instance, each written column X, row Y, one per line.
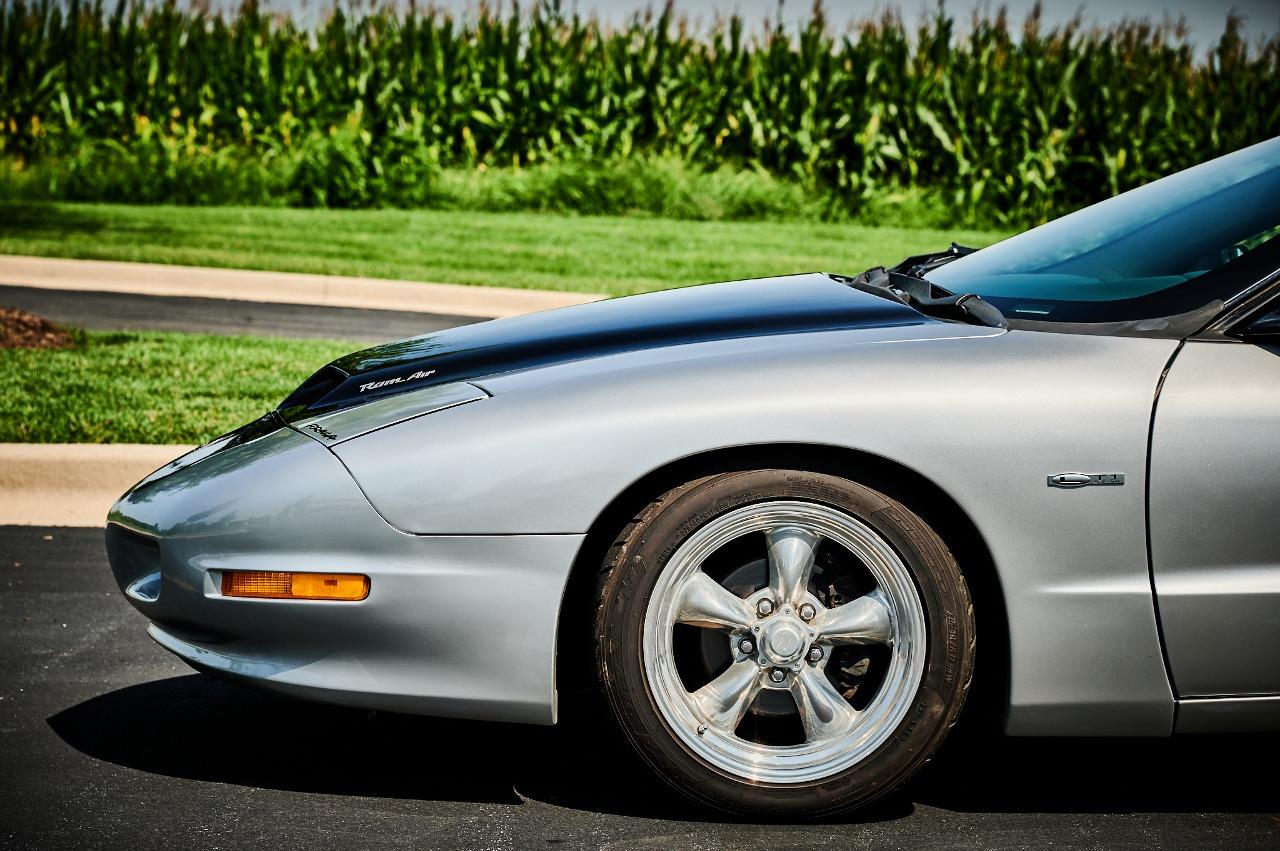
column 294, row 586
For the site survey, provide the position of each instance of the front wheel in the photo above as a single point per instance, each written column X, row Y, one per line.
column 775, row 641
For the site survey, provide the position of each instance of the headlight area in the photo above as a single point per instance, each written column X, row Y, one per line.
column 264, row 426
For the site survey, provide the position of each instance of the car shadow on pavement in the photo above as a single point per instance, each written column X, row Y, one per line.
column 1184, row 774
column 199, row 728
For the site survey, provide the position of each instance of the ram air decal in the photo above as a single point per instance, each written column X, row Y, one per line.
column 375, row 385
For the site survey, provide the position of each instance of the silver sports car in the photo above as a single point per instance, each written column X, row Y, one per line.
column 770, row 520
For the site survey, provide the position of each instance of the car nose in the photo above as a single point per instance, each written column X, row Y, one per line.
column 272, row 498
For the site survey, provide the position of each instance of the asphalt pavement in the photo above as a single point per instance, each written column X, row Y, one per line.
column 128, row 311
column 108, row 741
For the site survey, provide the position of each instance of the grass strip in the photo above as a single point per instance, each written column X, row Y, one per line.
column 127, row 387
column 611, row 255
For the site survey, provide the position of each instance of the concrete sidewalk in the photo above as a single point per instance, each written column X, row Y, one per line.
column 72, row 484
column 98, row 311
column 280, row 287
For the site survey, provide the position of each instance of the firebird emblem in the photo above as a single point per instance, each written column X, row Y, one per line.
column 322, row 431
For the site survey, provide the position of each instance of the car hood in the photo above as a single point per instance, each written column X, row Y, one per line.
column 741, row 309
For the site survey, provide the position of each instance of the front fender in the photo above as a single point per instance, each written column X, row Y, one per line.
column 985, row 417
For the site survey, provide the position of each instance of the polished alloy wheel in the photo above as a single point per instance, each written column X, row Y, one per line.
column 784, row 642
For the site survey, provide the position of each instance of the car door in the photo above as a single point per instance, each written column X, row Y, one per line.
column 1215, row 511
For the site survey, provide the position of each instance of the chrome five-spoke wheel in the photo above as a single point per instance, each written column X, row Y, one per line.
column 774, row 641
column 835, row 612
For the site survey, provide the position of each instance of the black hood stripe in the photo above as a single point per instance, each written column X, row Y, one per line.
column 742, row 309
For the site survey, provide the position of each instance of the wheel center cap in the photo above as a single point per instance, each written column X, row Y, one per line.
column 783, row 641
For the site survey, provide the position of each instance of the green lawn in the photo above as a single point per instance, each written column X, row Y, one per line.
column 150, row 387
column 616, row 256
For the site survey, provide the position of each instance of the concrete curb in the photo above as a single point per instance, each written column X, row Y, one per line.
column 280, row 287
column 72, row 484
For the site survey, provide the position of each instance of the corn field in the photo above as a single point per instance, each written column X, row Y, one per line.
column 1011, row 122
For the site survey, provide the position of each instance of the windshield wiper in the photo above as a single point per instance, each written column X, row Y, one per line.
column 920, row 264
column 928, row 298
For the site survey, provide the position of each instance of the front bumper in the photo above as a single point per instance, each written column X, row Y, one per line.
column 453, row 625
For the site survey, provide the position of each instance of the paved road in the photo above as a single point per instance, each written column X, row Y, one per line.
column 107, row 741
column 123, row 311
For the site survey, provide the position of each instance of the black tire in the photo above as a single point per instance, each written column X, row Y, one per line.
column 639, row 555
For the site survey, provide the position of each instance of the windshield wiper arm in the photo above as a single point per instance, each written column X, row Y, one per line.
column 928, row 298
column 917, row 265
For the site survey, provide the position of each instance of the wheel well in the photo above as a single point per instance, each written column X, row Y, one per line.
column 988, row 698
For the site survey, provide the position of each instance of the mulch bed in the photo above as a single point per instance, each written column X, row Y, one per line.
column 22, row 330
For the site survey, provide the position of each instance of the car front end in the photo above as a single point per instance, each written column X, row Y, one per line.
column 228, row 551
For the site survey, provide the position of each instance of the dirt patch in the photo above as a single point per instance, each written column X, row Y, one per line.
column 22, row 330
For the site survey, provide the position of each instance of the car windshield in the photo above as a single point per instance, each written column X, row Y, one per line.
column 1160, row 250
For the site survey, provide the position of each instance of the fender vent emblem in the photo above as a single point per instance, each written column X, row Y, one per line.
column 1081, row 480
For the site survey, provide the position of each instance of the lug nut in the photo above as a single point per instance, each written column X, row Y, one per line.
column 747, row 646
column 815, row 654
column 764, row 608
column 807, row 611
column 777, row 675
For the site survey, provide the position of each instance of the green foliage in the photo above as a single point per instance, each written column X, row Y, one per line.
column 331, row 172
column 149, row 387
column 148, row 170
column 663, row 187
column 367, row 109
